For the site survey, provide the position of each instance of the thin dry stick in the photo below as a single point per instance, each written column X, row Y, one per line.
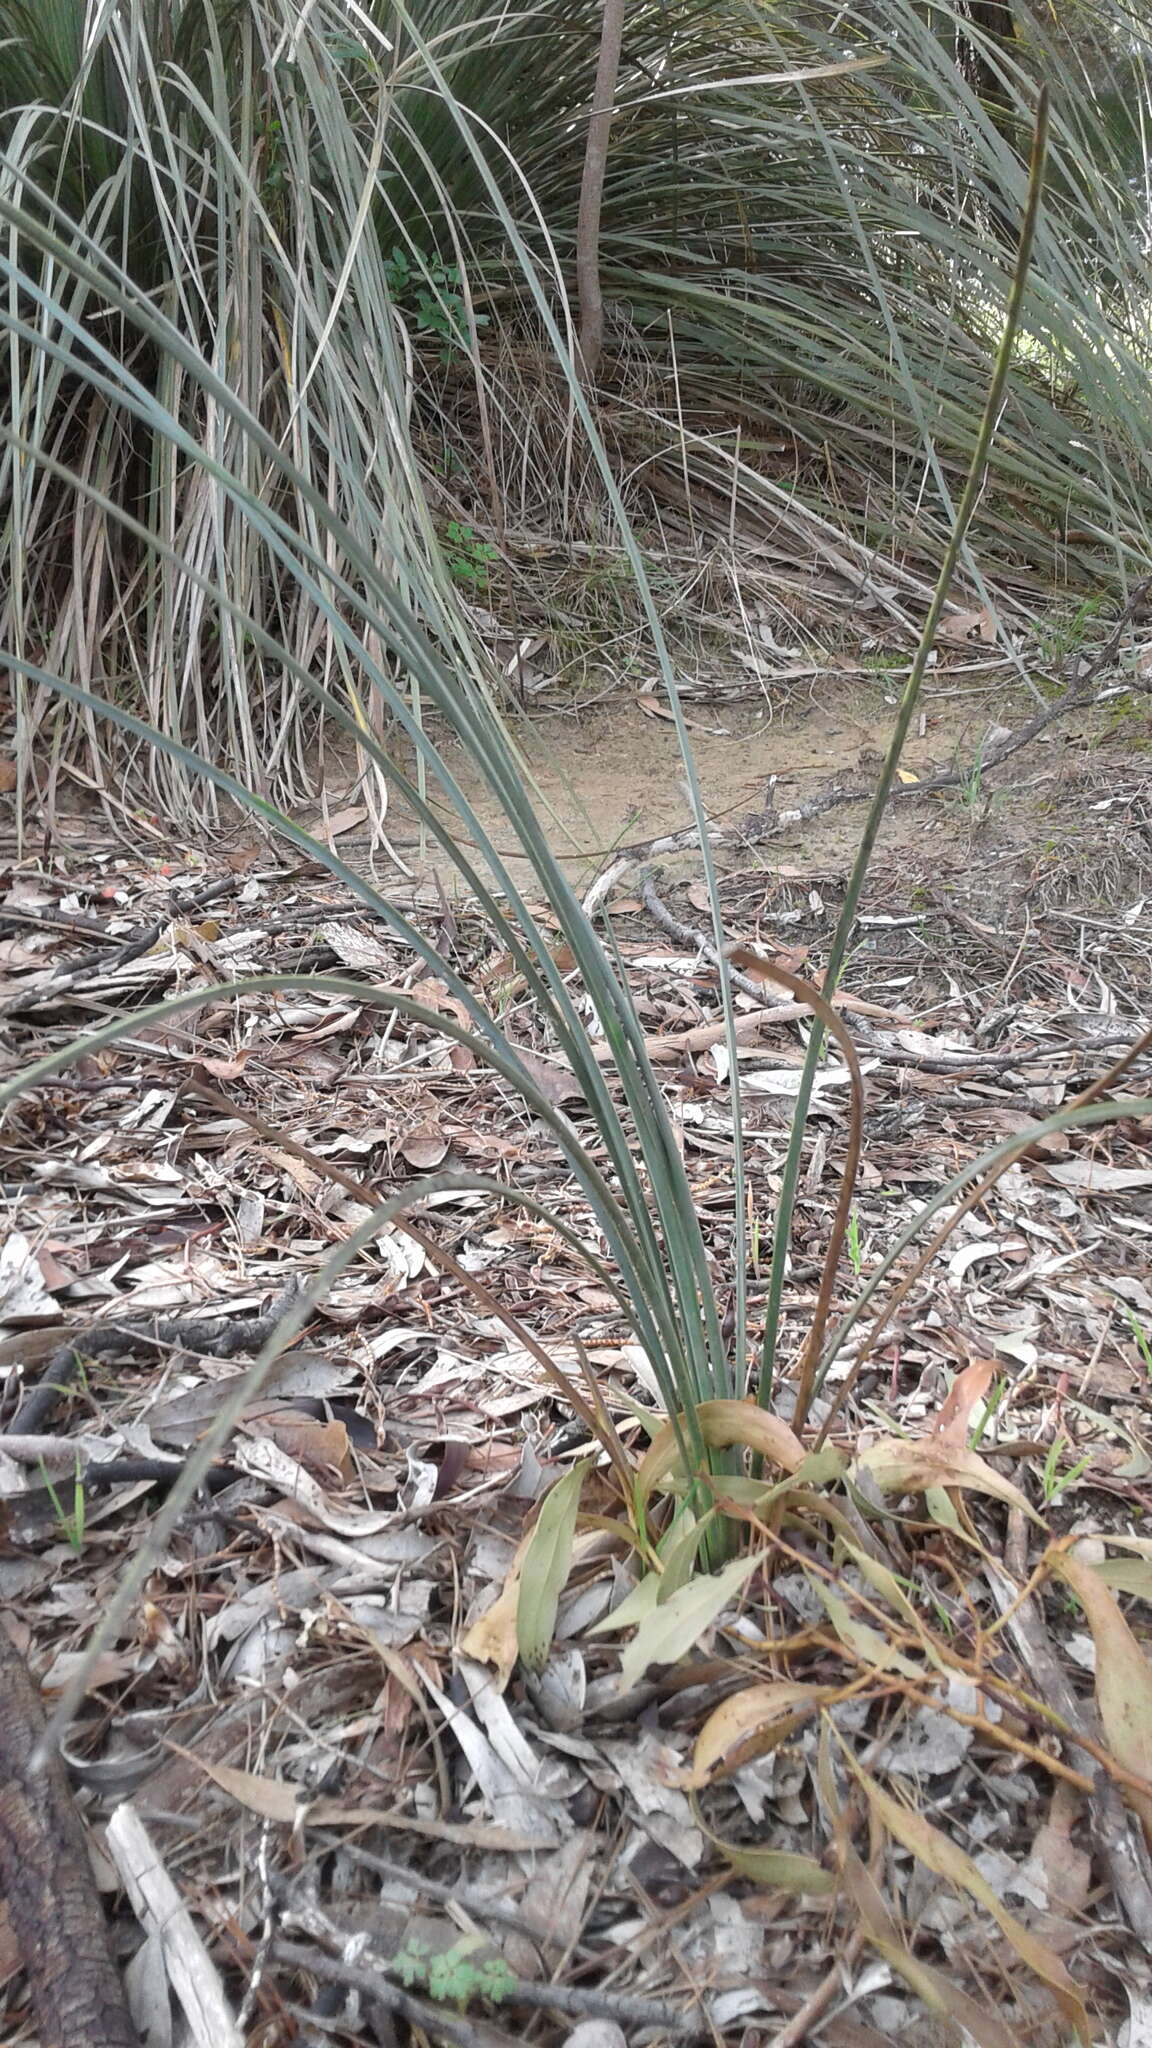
column 768, row 970
column 757, row 826
column 970, row 1201
column 814, row 2008
column 566, row 1998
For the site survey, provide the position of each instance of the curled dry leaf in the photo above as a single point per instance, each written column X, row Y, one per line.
column 331, row 825
column 425, row 1147
column 262, row 1459
column 651, row 706
column 1123, row 1679
column 493, row 1637
column 966, row 626
column 968, row 1389
column 1062, row 1869
column 435, row 995
column 898, row 1467
column 554, row 1078
column 228, row 1069
column 748, row 1724
column 722, row 1424
column 322, row 1447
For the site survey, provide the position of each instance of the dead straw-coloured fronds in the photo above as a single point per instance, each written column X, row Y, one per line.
column 805, row 244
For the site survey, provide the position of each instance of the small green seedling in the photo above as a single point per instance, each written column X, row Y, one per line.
column 1061, row 637
column 1139, row 1337
column 1052, row 1485
column 469, row 558
column 855, row 1253
column 428, row 293
column 71, row 1524
column 456, row 1976
column 971, row 785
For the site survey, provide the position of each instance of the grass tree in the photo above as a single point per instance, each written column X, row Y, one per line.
column 365, row 220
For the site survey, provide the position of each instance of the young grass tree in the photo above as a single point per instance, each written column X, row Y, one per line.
column 333, row 614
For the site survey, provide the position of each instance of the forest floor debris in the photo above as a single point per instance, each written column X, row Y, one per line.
column 315, row 1721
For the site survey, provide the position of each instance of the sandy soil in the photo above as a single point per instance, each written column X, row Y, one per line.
column 1057, row 817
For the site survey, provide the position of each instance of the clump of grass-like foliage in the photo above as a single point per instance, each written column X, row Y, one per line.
column 356, row 217
column 214, row 452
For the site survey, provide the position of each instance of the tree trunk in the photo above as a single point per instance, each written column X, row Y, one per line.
column 591, row 302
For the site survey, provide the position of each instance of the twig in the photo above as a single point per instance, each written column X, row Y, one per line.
column 961, row 1063
column 215, row 1337
column 1077, row 697
column 956, row 1063
column 371, row 1985
column 60, row 921
column 127, row 948
column 757, row 826
column 803, row 2020
column 602, row 2005
column 478, row 1904
column 685, row 936
column 566, row 1998
column 675, row 1045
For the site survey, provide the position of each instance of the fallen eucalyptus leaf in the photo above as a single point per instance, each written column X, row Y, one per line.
column 545, row 1566
column 669, row 1631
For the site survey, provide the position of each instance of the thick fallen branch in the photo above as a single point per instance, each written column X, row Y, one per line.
column 748, row 1025
column 214, row 1336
